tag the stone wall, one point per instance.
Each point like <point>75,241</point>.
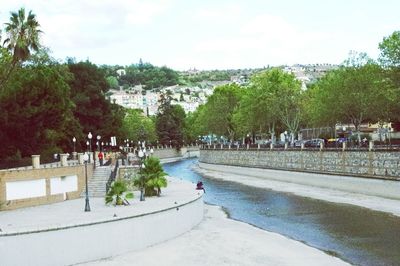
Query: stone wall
<point>13,176</point>
<point>378,164</point>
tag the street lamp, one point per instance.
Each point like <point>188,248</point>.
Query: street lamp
<point>141,157</point>
<point>87,206</point>
<point>98,142</point>
<point>90,143</point>
<point>73,141</point>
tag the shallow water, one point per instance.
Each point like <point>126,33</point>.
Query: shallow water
<point>357,235</point>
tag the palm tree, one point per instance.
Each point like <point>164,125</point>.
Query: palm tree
<point>154,176</point>
<point>117,193</point>
<point>22,37</point>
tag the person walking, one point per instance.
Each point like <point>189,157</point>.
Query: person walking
<point>101,156</point>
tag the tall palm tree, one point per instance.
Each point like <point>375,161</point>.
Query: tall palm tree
<point>22,37</point>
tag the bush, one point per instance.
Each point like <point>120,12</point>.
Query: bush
<point>118,193</point>
<point>151,177</point>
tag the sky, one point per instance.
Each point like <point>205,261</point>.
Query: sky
<point>210,34</point>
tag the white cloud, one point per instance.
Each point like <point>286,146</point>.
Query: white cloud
<point>205,34</point>
<point>145,12</point>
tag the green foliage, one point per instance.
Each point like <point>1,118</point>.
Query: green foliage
<point>22,38</point>
<point>22,34</point>
<point>195,125</point>
<point>112,82</point>
<point>390,50</point>
<point>273,98</point>
<point>118,193</point>
<point>170,123</point>
<point>213,75</point>
<point>149,76</point>
<point>36,108</point>
<point>138,127</point>
<point>154,176</point>
<point>218,110</point>
<point>93,111</point>
<point>353,95</point>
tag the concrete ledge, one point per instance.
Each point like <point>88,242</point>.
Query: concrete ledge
<point>373,187</point>
<point>106,231</point>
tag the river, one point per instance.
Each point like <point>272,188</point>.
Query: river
<point>357,235</point>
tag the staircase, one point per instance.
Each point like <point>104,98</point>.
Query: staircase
<point>97,184</point>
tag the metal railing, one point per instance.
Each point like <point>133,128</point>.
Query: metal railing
<point>278,147</point>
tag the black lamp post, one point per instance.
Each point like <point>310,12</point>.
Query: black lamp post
<point>73,141</point>
<point>98,140</point>
<point>90,143</point>
<point>87,205</point>
<point>141,166</point>
<point>94,151</point>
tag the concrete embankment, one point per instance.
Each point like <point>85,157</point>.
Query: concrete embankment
<point>380,195</point>
<point>225,242</point>
<point>63,234</point>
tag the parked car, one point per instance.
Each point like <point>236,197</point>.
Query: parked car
<point>297,143</point>
<point>313,142</point>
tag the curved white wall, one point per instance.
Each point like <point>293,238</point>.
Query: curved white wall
<point>99,240</point>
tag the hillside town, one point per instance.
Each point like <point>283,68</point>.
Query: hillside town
<point>193,95</point>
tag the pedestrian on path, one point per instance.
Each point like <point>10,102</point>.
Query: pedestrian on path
<point>101,156</point>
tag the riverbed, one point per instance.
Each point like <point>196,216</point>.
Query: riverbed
<point>354,234</point>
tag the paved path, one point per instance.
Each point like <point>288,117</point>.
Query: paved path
<point>71,212</point>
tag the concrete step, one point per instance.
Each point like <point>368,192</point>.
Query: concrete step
<point>97,184</point>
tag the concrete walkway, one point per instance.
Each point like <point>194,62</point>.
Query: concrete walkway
<point>71,212</point>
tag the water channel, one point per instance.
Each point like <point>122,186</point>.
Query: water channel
<point>357,235</point>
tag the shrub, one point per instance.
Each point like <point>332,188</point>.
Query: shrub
<point>152,177</point>
<point>118,193</point>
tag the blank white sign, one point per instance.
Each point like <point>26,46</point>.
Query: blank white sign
<point>25,189</point>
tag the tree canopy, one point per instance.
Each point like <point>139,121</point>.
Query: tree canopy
<point>149,76</point>
<point>170,123</point>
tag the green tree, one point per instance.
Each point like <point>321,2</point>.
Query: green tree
<point>36,109</point>
<point>170,123</point>
<point>390,59</point>
<point>274,98</point>
<point>138,127</point>
<point>149,76</point>
<point>118,193</point>
<point>94,112</point>
<point>154,176</point>
<point>195,125</point>
<point>22,37</point>
<point>112,82</point>
<point>218,111</point>
<point>354,95</point>
<point>390,50</point>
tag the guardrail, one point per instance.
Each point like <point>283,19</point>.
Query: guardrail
<point>348,147</point>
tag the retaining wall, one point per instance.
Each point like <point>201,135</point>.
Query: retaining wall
<point>97,240</point>
<point>366,186</point>
<point>31,187</point>
<point>376,164</point>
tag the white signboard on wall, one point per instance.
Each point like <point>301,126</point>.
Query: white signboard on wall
<point>62,184</point>
<point>25,189</point>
